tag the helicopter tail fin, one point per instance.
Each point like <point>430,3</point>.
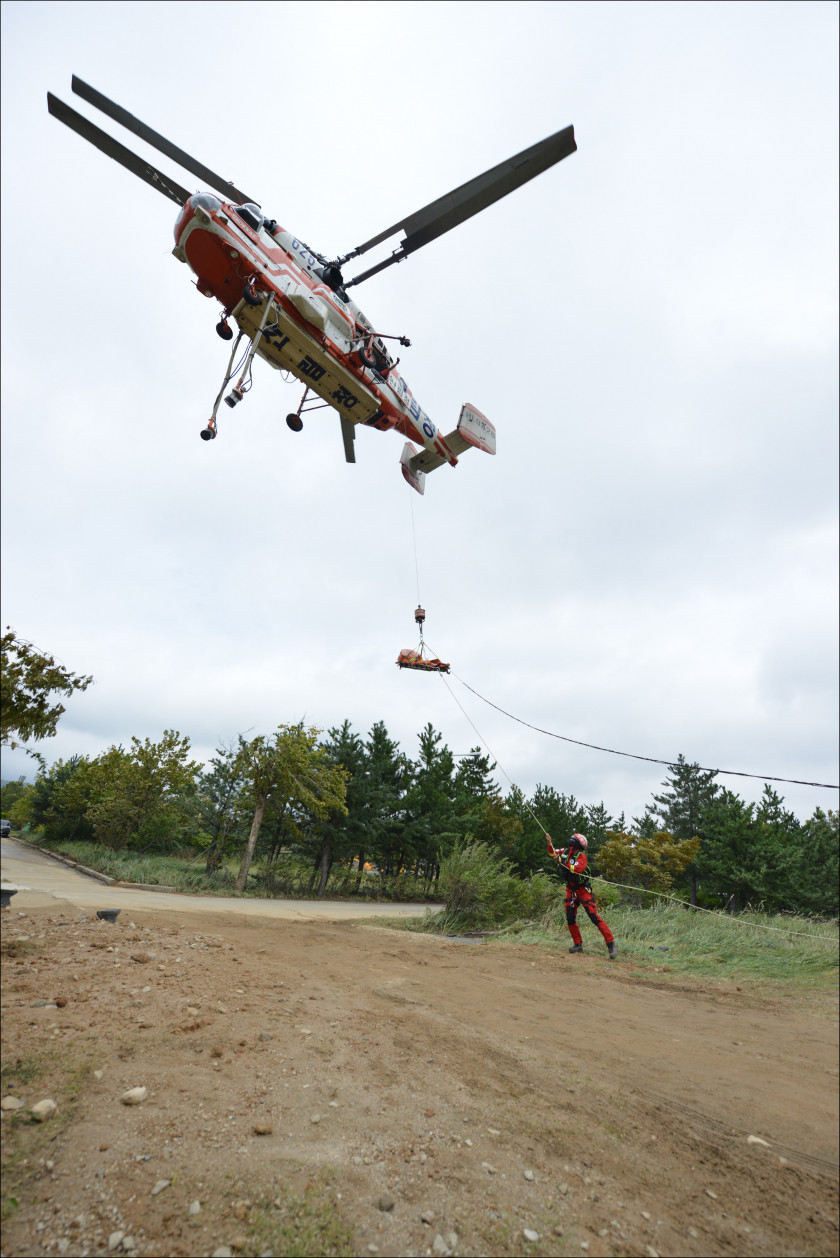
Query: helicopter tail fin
<point>473,430</point>
<point>412,473</point>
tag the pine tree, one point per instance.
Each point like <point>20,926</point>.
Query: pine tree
<point>430,801</point>
<point>387,777</point>
<point>219,797</point>
<point>683,805</point>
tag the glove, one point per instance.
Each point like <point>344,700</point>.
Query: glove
<point>551,849</point>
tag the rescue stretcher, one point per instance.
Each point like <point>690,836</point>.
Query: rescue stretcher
<point>409,658</point>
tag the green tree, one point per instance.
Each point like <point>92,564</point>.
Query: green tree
<point>387,776</point>
<point>340,832</point>
<point>598,822</point>
<point>726,864</point>
<point>143,796</point>
<point>430,807</point>
<point>29,679</point>
<point>474,786</point>
<point>643,826</point>
<point>778,840</point>
<point>559,815</point>
<point>751,854</point>
<point>220,791</point>
<point>498,827</point>
<point>683,804</point>
<point>292,771</point>
<point>10,793</point>
<point>61,797</point>
<point>651,862</point>
<point>817,875</point>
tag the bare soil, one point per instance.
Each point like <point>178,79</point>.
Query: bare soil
<point>338,1087</point>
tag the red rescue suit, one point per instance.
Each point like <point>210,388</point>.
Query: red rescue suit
<point>578,892</point>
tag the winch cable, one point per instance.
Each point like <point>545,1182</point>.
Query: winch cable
<point>763,777</point>
<point>414,538</point>
<point>699,908</point>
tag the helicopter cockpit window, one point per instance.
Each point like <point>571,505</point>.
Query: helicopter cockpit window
<point>206,201</point>
<point>250,214</point>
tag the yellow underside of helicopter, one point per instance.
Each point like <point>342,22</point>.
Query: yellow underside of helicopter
<point>291,348</point>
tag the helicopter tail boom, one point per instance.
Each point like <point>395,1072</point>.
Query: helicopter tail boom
<point>473,430</point>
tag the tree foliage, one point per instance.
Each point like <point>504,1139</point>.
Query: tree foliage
<point>296,775</point>
<point>652,862</point>
<point>363,807</point>
<point>141,796</point>
<point>29,680</point>
<point>683,807</point>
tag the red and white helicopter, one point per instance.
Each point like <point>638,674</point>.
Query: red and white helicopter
<point>292,304</point>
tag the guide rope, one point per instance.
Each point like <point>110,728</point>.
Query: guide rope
<point>764,777</point>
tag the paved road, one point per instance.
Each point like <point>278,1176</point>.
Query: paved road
<point>43,879</point>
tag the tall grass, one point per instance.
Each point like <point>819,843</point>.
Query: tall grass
<point>288,877</point>
<point>480,890</point>
<point>670,937</point>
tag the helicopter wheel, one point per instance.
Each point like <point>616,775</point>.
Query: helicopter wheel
<point>367,360</point>
<point>295,422</point>
<point>251,295</point>
<point>208,434</point>
<point>224,330</point>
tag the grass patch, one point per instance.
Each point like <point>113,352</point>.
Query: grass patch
<point>660,935</point>
<point>288,877</point>
<point>14,949</point>
<point>752,945</point>
<point>305,1223</point>
<point>59,1074</point>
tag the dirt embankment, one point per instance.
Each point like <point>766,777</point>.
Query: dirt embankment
<point>336,1087</point>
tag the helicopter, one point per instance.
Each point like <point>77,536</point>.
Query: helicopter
<point>291,304</point>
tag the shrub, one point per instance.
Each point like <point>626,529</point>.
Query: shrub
<point>479,887</point>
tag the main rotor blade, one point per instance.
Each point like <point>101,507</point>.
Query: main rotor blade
<point>457,206</point>
<point>127,120</point>
<point>107,144</point>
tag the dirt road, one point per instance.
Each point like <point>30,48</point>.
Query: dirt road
<point>321,1087</point>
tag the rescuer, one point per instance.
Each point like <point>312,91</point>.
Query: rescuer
<point>572,863</point>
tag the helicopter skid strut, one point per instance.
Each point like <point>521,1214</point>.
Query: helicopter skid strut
<point>294,420</point>
<point>242,385</point>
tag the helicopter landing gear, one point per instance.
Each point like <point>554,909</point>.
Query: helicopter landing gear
<point>294,421</point>
<point>374,356</point>
<point>243,384</point>
<point>250,294</point>
<point>224,330</point>
<point>365,354</point>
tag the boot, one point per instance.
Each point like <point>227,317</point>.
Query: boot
<point>612,950</point>
<point>576,948</point>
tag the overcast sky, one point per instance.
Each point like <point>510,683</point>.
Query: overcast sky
<point>649,563</point>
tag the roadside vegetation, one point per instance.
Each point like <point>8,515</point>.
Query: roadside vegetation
<point>297,814</point>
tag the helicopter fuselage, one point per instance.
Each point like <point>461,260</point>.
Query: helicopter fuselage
<point>310,329</point>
